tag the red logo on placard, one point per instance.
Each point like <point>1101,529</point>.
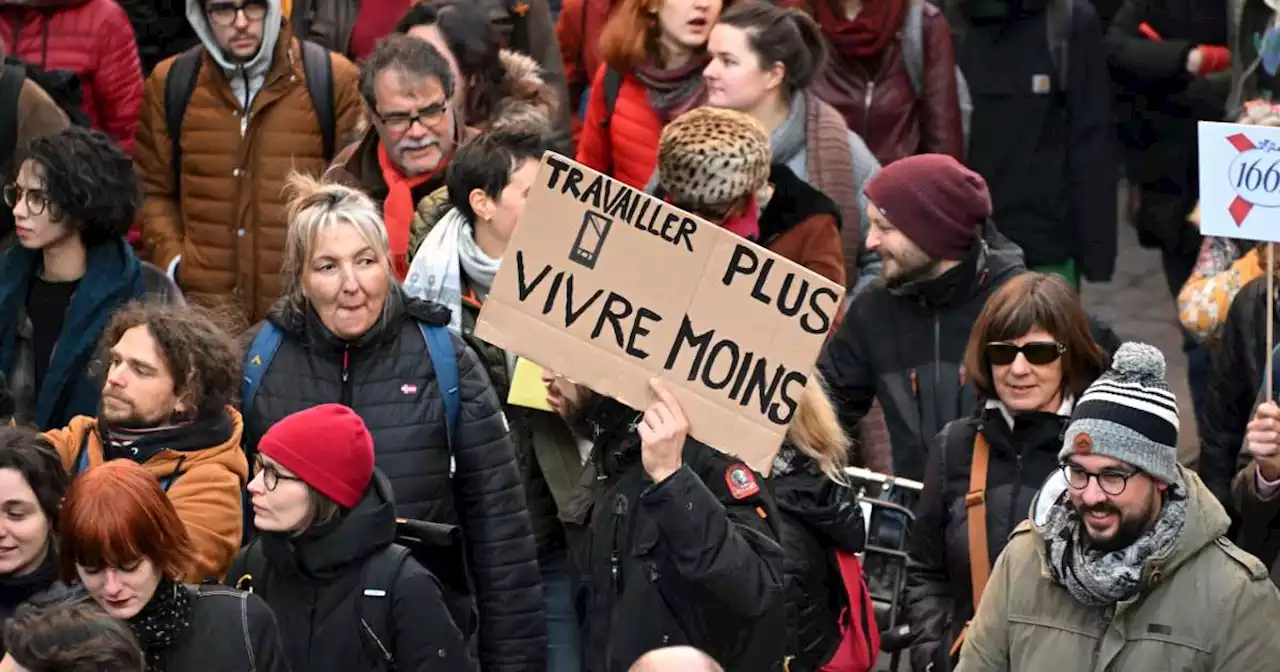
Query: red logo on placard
<point>1239,207</point>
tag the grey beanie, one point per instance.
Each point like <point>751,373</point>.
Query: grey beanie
<point>1129,414</point>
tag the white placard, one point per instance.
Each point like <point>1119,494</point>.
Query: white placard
<point>1239,181</point>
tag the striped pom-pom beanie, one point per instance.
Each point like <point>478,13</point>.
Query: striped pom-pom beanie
<point>1129,414</point>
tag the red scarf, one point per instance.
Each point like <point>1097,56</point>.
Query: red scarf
<point>745,223</point>
<point>397,210</point>
<point>866,36</point>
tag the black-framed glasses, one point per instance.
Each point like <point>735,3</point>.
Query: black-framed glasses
<point>400,122</point>
<point>271,476</point>
<point>1038,353</point>
<point>37,200</point>
<point>224,13</point>
<point>1110,481</point>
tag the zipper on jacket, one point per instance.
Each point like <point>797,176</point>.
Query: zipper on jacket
<point>866,103</point>
<point>346,377</point>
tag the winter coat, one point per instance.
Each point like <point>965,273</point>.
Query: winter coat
<point>624,144</point>
<point>939,594</point>
<point>91,38</point>
<point>206,471</point>
<point>1207,605</point>
<point>230,630</point>
<point>878,101</point>
<point>14,590</point>
<point>1259,526</point>
<point>1046,154</point>
<point>684,562</point>
<point>801,224</point>
<point>577,30</point>
<point>386,376</point>
<point>312,584</point>
<point>1239,365</point>
<point>225,223</point>
<point>813,142</point>
<point>914,367</point>
<point>113,277</point>
<point>818,518</point>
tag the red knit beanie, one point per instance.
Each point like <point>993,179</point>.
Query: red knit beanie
<point>932,199</point>
<point>328,447</point>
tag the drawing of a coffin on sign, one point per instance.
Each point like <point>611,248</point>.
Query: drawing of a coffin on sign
<point>611,287</point>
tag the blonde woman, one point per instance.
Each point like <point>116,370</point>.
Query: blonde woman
<point>344,332</point>
<point>819,516</point>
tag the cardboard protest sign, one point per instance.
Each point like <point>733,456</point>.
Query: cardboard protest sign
<point>611,287</point>
<point>1239,181</point>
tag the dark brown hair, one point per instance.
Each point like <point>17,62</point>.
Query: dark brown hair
<point>202,358</point>
<point>1028,301</point>
<point>786,36</point>
<point>64,630</point>
<point>116,514</point>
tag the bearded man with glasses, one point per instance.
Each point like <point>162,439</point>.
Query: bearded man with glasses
<point>1123,564</point>
<point>223,125</point>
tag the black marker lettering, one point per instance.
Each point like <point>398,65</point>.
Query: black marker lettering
<point>610,314</point>
<point>687,228</point>
<point>764,388</point>
<point>790,400</point>
<point>744,261</point>
<point>524,288</point>
<point>571,183</point>
<point>619,204</point>
<point>638,330</point>
<point>794,307</point>
<point>557,166</point>
<point>760,280</point>
<point>713,357</point>
<point>593,191</point>
<point>824,316</point>
<point>551,295</point>
<point>686,334</point>
<point>570,314</point>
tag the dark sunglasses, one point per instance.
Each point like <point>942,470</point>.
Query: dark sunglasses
<point>1036,352</point>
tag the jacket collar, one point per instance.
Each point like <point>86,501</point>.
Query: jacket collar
<point>792,203</point>
<point>295,317</point>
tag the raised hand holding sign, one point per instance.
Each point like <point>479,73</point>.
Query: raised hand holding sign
<point>662,429</point>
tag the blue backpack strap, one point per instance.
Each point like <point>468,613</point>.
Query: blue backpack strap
<point>256,361</point>
<point>445,362</point>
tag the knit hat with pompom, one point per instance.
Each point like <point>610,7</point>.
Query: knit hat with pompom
<point>1129,414</point>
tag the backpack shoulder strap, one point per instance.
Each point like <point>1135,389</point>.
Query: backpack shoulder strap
<point>256,361</point>
<point>976,503</point>
<point>612,86</point>
<point>913,45</point>
<point>1059,16</point>
<point>445,362</point>
<point>317,67</point>
<point>254,579</point>
<point>178,87</point>
<point>10,90</point>
<point>377,579</point>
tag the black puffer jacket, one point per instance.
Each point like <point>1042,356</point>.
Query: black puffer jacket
<point>389,381</point>
<point>939,594</point>
<point>1238,367</point>
<point>312,584</point>
<point>679,563</point>
<point>905,346</point>
<point>818,517</point>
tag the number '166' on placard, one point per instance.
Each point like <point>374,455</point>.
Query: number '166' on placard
<point>1239,181</point>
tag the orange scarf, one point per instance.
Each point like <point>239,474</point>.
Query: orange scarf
<point>397,210</point>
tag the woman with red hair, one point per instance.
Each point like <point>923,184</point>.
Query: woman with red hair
<point>654,53</point>
<point>121,538</point>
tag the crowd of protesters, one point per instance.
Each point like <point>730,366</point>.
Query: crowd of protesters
<point>246,422</point>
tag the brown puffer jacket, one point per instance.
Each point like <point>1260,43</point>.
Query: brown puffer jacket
<point>229,226</point>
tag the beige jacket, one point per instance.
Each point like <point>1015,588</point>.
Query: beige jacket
<point>1208,606</point>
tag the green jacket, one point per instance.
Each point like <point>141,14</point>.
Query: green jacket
<point>1207,606</point>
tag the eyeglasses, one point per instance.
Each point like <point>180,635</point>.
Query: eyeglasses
<point>400,122</point>
<point>271,476</point>
<point>1111,482</point>
<point>36,199</point>
<point>224,13</point>
<point>1038,353</point>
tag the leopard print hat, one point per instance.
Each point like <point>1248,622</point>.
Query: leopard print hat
<point>711,158</point>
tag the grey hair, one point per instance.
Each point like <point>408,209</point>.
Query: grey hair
<point>317,207</point>
<point>409,55</point>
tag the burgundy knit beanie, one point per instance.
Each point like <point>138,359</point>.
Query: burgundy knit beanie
<point>932,199</point>
<point>328,447</point>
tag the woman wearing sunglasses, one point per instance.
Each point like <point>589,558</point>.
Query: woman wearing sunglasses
<point>1030,354</point>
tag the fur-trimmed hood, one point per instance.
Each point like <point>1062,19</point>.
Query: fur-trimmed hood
<point>526,97</point>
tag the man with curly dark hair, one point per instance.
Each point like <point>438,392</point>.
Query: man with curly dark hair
<point>171,374</point>
<point>73,201</point>
<point>64,630</point>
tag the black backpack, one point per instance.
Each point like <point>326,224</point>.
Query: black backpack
<point>435,546</point>
<point>317,69</point>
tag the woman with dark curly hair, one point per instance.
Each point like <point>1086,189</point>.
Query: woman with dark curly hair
<point>73,201</point>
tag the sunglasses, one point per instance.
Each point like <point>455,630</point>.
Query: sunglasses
<point>1038,353</point>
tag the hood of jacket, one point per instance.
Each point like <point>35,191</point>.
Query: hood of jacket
<point>793,201</point>
<point>294,316</point>
<point>527,98</point>
<point>255,70</point>
<point>192,443</point>
<point>330,548</point>
<point>1206,522</point>
<point>992,259</point>
<point>827,509</point>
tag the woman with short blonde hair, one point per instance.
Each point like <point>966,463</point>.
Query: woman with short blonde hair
<point>345,332</point>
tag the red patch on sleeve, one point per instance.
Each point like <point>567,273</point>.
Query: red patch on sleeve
<point>741,482</point>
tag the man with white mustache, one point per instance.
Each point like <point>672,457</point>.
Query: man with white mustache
<point>408,88</point>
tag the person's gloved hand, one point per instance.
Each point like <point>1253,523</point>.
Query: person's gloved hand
<point>1207,59</point>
